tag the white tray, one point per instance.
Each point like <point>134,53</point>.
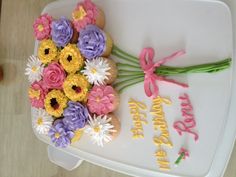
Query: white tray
<point>204,29</point>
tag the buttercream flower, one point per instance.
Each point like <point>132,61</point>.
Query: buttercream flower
<point>53,76</point>
<point>62,31</point>
<point>92,42</point>
<point>76,87</point>
<point>96,71</point>
<point>59,135</point>
<point>71,59</point>
<point>102,100</point>
<point>85,13</point>
<point>55,103</point>
<point>34,69</point>
<point>42,121</point>
<point>47,51</point>
<point>37,93</point>
<point>42,27</point>
<point>75,116</point>
<point>100,129</point>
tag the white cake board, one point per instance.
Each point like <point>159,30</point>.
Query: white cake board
<point>204,30</point>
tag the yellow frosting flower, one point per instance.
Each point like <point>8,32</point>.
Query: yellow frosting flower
<point>76,87</point>
<point>77,135</point>
<point>71,59</point>
<point>55,102</point>
<point>47,51</point>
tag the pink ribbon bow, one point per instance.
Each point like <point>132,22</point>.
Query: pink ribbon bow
<point>147,64</point>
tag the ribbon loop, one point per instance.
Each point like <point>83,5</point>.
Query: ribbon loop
<point>148,66</point>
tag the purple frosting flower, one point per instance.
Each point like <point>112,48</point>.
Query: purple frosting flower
<point>92,42</point>
<point>75,116</point>
<point>60,135</point>
<point>62,31</point>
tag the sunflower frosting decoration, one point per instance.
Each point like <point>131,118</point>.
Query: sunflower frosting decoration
<point>76,87</point>
<point>96,71</point>
<point>71,59</point>
<point>34,69</point>
<point>55,102</point>
<point>47,51</point>
<point>100,129</point>
<point>42,121</point>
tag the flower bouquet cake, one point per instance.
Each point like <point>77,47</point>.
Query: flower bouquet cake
<point>71,78</point>
<point>78,75</point>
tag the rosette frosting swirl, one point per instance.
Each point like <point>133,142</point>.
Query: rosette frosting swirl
<point>75,115</point>
<point>92,42</point>
<point>62,31</point>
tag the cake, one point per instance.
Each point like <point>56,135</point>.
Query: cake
<point>102,129</point>
<point>77,84</point>
<point>100,71</point>
<point>94,42</point>
<point>65,75</point>
<point>103,100</point>
<point>86,13</point>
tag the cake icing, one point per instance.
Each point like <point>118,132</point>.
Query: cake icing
<point>99,128</point>
<point>62,31</point>
<point>42,27</point>
<point>75,116</point>
<point>92,42</point>
<point>42,121</point>
<point>34,69</point>
<point>53,76</point>
<point>96,71</point>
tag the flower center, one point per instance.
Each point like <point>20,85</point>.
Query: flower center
<point>79,14</point>
<point>96,129</point>
<point>76,89</point>
<point>98,99</point>
<point>54,103</point>
<point>40,27</point>
<point>46,51</point>
<point>34,68</point>
<point>69,58</point>
<point>57,135</point>
<point>40,121</point>
<point>93,71</point>
<point>34,93</point>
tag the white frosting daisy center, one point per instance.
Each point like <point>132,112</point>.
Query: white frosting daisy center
<point>40,121</point>
<point>96,70</point>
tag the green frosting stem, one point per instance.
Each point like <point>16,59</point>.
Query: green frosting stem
<point>116,50</point>
<point>121,84</point>
<point>202,68</point>
<point>129,66</point>
<point>131,73</point>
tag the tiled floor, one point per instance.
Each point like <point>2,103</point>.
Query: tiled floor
<point>21,154</point>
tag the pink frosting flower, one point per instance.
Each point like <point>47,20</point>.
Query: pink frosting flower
<point>102,100</point>
<point>85,13</point>
<point>42,27</point>
<point>53,76</point>
<point>37,94</point>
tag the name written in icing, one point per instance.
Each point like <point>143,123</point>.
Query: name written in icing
<point>188,124</point>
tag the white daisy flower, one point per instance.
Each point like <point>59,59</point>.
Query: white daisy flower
<point>96,70</point>
<point>42,121</point>
<point>100,129</point>
<point>34,69</point>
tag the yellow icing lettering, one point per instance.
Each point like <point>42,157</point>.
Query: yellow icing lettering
<point>139,118</point>
<point>159,123</point>
<point>137,104</point>
<point>162,140</point>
